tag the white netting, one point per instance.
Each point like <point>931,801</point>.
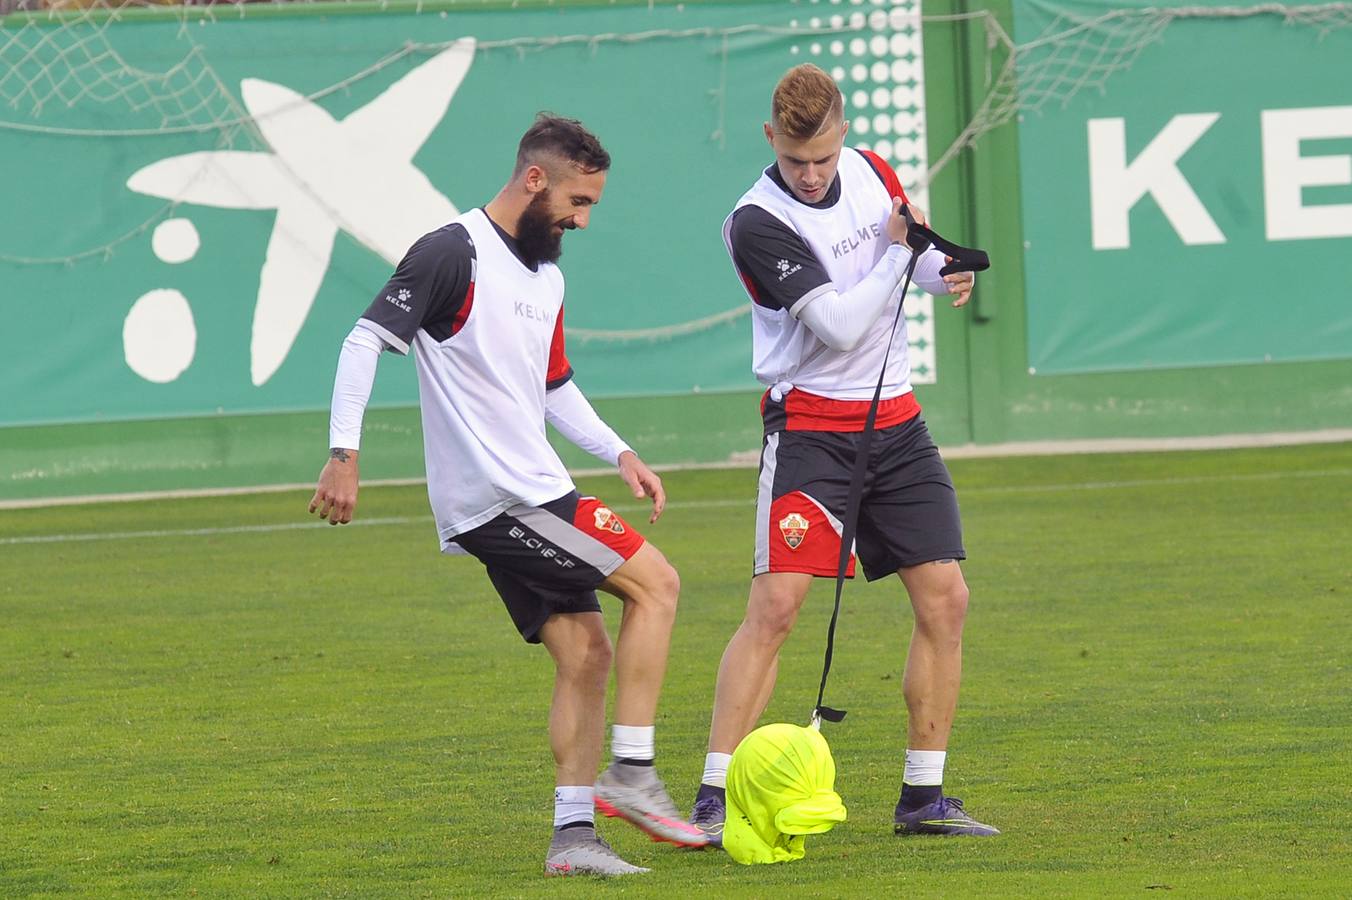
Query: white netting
<point>1074,54</point>
<point>66,58</point>
<point>59,59</point>
<point>69,60</point>
<point>55,60</point>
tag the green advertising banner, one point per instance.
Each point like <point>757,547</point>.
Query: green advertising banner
<point>1186,184</point>
<point>199,206</point>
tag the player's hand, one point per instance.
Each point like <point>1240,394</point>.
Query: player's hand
<point>335,496</point>
<point>643,481</point>
<point>960,285</point>
<point>896,223</point>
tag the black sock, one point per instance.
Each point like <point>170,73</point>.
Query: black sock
<point>914,796</point>
<point>635,762</point>
<point>581,823</point>
<point>708,790</point>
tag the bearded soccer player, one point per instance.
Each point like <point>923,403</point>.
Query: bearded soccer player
<point>480,303</point>
<point>819,242</point>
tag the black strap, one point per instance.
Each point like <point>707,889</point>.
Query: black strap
<point>856,494</point>
<point>965,259</point>
<point>919,239</point>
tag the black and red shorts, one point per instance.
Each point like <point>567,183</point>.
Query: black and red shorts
<point>549,559</point>
<point>908,514</point>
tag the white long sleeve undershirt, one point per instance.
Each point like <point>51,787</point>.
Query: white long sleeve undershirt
<point>568,410</point>
<point>565,407</point>
<point>842,318</point>
<point>352,386</point>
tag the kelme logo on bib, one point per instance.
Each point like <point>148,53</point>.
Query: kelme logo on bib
<point>794,528</point>
<point>607,520</point>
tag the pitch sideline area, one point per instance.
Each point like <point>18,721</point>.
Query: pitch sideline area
<point>216,695</point>
<point>750,459</point>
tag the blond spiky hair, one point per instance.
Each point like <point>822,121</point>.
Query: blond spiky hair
<point>806,103</point>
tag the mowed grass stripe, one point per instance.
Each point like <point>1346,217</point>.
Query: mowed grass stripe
<point>196,532</point>
<point>674,504</point>
<point>1156,695</point>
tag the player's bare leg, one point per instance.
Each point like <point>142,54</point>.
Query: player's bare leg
<point>577,718</point>
<point>649,588</point>
<point>582,656</point>
<point>933,675</point>
<point>630,788</point>
<point>934,662</point>
<point>746,681</point>
<point>746,675</point>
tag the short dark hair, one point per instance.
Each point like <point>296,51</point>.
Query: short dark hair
<point>561,138</point>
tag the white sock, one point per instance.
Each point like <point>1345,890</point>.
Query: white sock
<point>573,804</point>
<point>924,767</point>
<point>716,769</point>
<point>632,741</point>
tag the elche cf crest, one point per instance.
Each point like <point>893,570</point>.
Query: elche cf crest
<point>794,528</point>
<point>607,520</point>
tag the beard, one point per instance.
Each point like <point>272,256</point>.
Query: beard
<point>535,236</point>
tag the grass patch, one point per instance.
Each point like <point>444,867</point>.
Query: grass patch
<point>1156,695</point>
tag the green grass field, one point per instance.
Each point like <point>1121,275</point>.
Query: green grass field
<point>1157,695</point>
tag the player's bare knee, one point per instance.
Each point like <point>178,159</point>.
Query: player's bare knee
<point>955,602</point>
<point>588,659</point>
<point>660,588</point>
<point>667,584</point>
<point>943,613</point>
<point>596,657</point>
<point>771,615</point>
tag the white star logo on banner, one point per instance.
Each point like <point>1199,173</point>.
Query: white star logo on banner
<point>322,176</point>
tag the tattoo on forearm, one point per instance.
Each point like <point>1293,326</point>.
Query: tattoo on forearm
<point>340,454</point>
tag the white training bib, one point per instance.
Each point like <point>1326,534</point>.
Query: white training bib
<point>483,391</point>
<point>848,238</point>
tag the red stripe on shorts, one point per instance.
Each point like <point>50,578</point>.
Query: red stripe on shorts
<point>803,539</point>
<point>599,521</point>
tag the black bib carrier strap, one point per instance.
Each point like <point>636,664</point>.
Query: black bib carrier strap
<point>965,259</point>
<point>919,239</point>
